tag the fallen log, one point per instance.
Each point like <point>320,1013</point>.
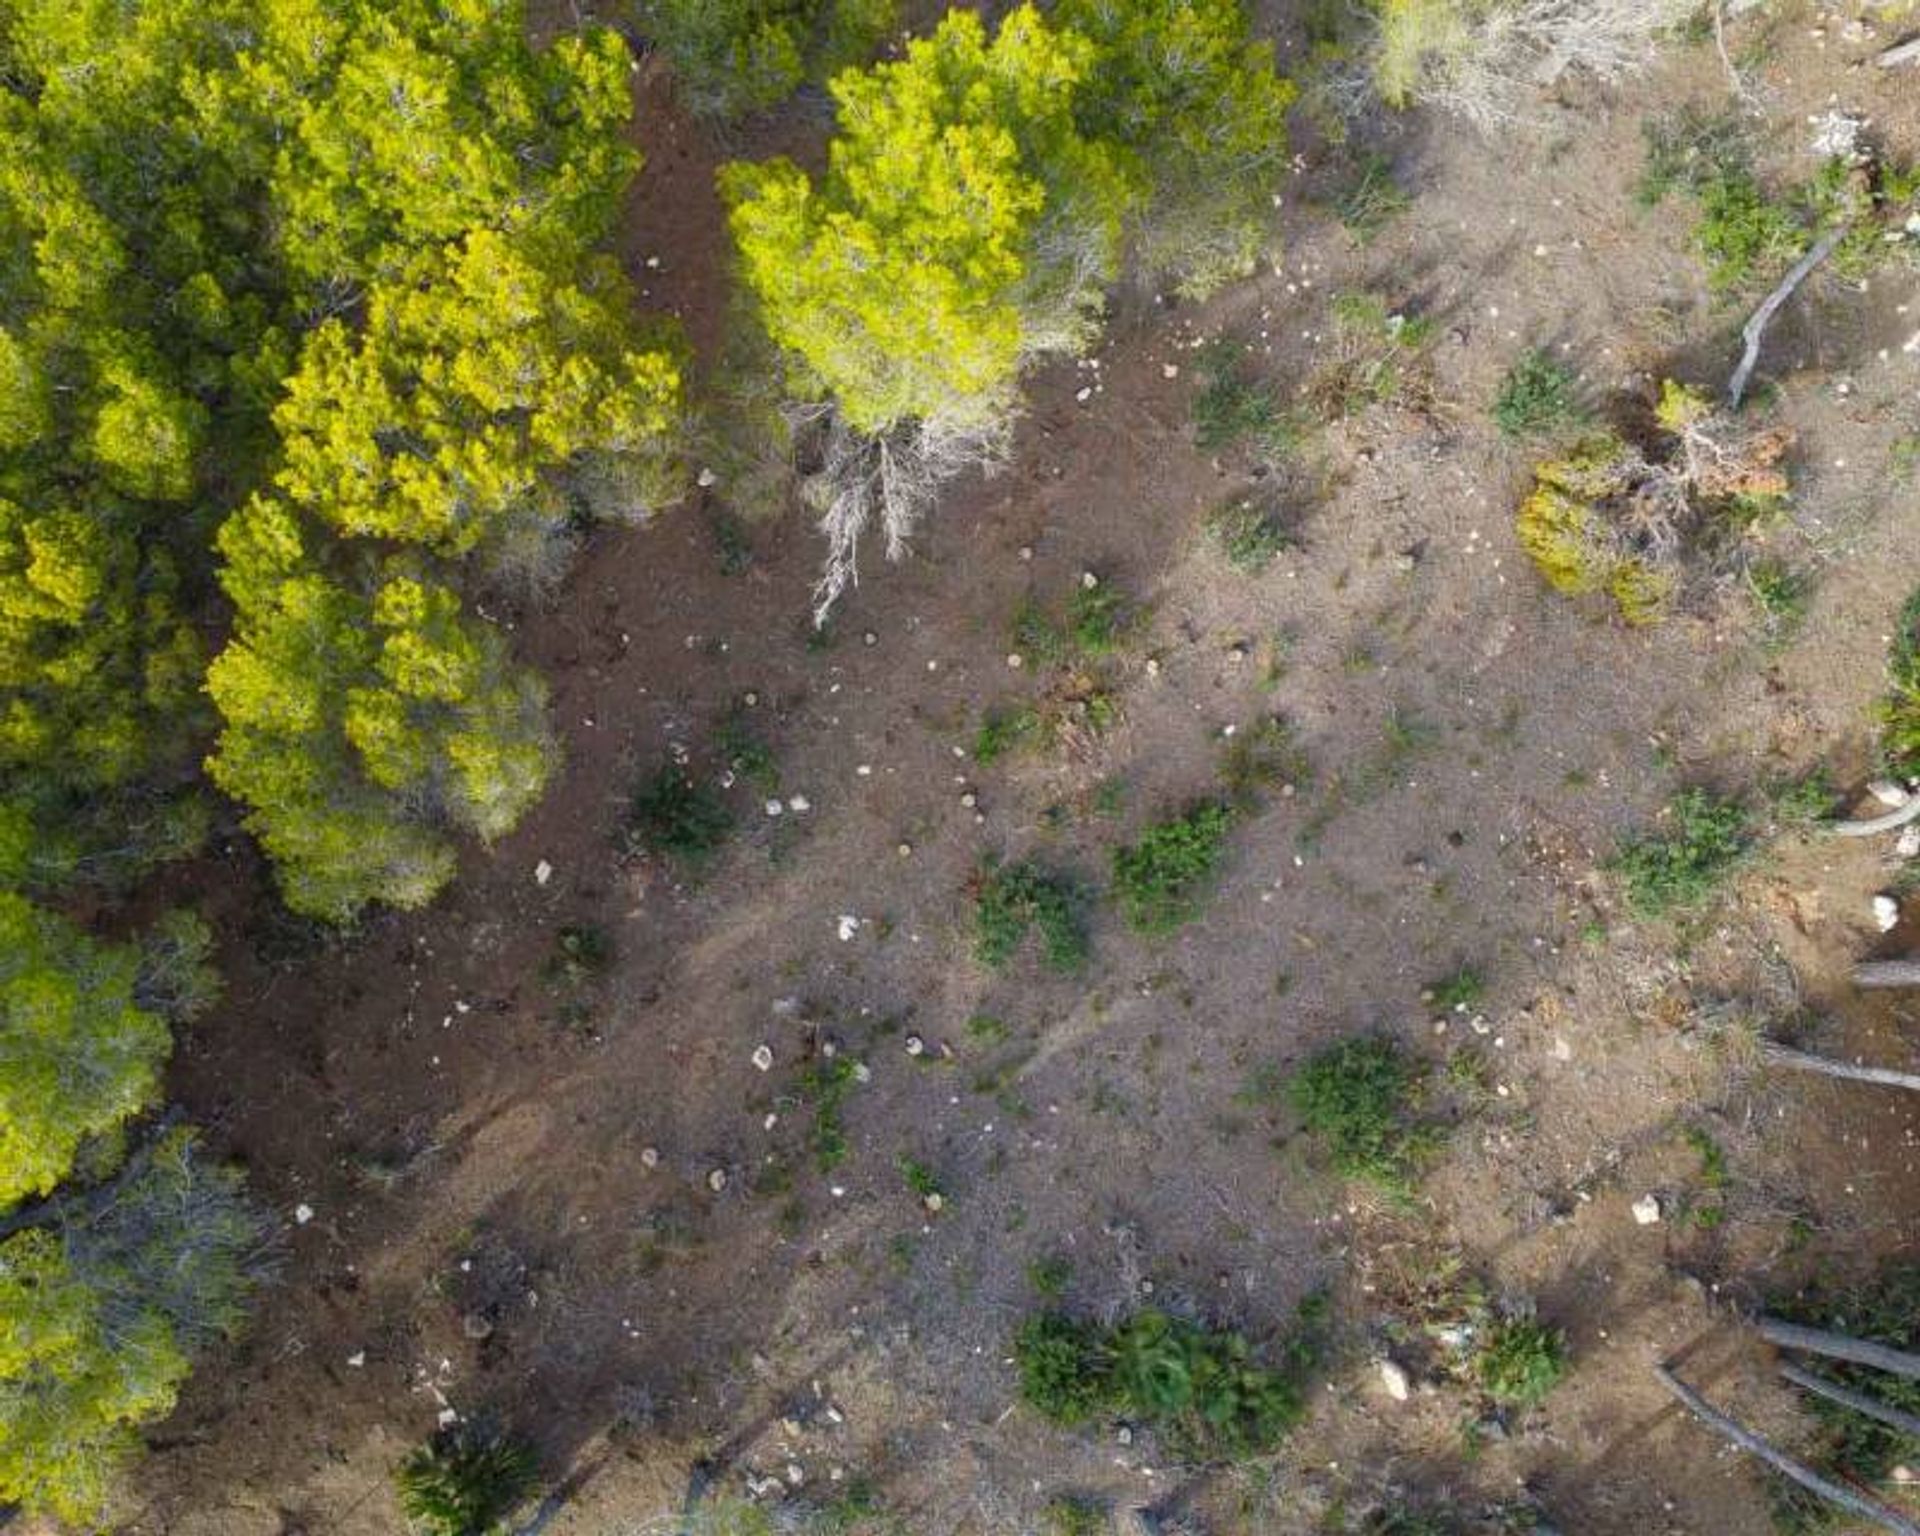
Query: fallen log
<point>1785,1465</point>
<point>1869,974</point>
<point>1799,1061</point>
<point>1838,1346</point>
<point>1756,327</point>
<point>1859,1402</point>
<point>1901,53</point>
<point>1873,826</point>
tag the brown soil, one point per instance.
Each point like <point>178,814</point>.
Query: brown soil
<point>468,1133</point>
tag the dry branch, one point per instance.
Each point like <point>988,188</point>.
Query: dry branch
<point>1838,1346</point>
<point>1870,974</point>
<point>1785,1465</point>
<point>1859,1402</point>
<point>1800,1061</point>
<point>1901,53</point>
<point>1756,327</point>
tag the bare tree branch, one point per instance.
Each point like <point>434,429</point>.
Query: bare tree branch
<point>1800,1061</point>
<point>1756,327</point>
<point>1859,1402</point>
<point>1838,1346</point>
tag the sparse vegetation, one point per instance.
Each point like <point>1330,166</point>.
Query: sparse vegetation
<point>1899,709</point>
<point>1702,839</point>
<point>1538,397</point>
<point>1158,879</point>
<point>675,815</point>
<point>1199,1386</point>
<point>1358,1100</point>
<point>1518,1361</point>
<point>1011,900</point>
<point>1250,536</point>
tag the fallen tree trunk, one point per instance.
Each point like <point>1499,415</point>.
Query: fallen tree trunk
<point>1901,53</point>
<point>1785,1465</point>
<point>1875,825</point>
<point>1887,973</point>
<point>1837,1346</point>
<point>1756,327</point>
<point>1859,1402</point>
<point>1799,1061</point>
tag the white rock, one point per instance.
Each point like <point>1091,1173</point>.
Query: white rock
<point>916,1046</point>
<point>542,872</point>
<point>1394,1378</point>
<point>706,479</point>
<point>775,808</point>
<point>763,1057</point>
<point>1907,844</point>
<point>799,804</point>
<point>649,1157</point>
<point>448,1418</point>
<point>1886,912</point>
<point>849,926</point>
<point>357,1359</point>
<point>1646,1210</point>
<point>717,1180</point>
<point>302,1214</point>
<point>1888,793</point>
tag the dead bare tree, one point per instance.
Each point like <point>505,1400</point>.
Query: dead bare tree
<point>1799,1061</point>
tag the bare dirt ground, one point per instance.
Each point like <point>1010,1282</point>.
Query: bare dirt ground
<point>590,1210</point>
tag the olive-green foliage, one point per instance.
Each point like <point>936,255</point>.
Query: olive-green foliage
<point>1230,407</point>
<point>1016,897</point>
<point>82,1055</point>
<point>1202,1387</point>
<point>1518,1361</point>
<point>1258,758</point>
<point>1158,879</point>
<point>465,1480</point>
<point>1703,839</point>
<point>1899,709</point>
<point>1002,730</point>
<point>732,57</point>
<point>1358,1098</point>
<point>101,1309</point>
<point>1072,1515</point>
<point>341,251</point>
<point>1537,397</point>
<point>1883,1308</point>
<point>1250,536</point>
<point>912,284</point>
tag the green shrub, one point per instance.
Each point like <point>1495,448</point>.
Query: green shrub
<point>1230,408</point>
<point>1263,756</point>
<point>1009,901</point>
<point>1457,992</point>
<point>1899,710</point>
<point>1097,618</point>
<point>1250,537</point>
<point>1538,397</point>
<point>678,817</point>
<point>1357,1099</point>
<point>465,1480</point>
<point>1519,1361</point>
<point>1158,879</point>
<point>1372,199</point>
<point>732,57</point>
<point>1002,731</point>
<point>1198,1385</point>
<point>1705,839</point>
<point>1071,1515</point>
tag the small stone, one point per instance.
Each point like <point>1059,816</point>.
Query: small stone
<point>706,479</point>
<point>302,1214</point>
<point>1904,1474</point>
<point>1084,395</point>
<point>649,1157</point>
<point>448,1418</point>
<point>1153,666</point>
<point>916,1046</point>
<point>1015,660</point>
<point>1646,1210</point>
<point>775,808</point>
<point>906,850</point>
<point>542,872</point>
<point>763,1057</point>
<point>868,637</point>
<point>969,799</point>
<point>1886,913</point>
<point>862,1073</point>
<point>1907,844</point>
<point>717,1180</point>
<point>357,1359</point>
<point>1125,1434</point>
<point>1394,1378</point>
<point>1561,1050</point>
<point>849,926</point>
<point>1026,551</point>
<point>934,1202</point>
<point>799,804</point>
<point>1169,370</point>
<point>1088,580</point>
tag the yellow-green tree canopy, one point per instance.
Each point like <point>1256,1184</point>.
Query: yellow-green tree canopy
<point>964,222</point>
<point>80,1056</point>
<point>736,56</point>
<point>100,1311</point>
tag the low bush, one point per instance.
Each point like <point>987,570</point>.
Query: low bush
<point>1158,878</point>
<point>1011,900</point>
<point>1518,1361</point>
<point>1358,1099</point>
<point>676,816</point>
<point>1705,838</point>
<point>1198,1385</point>
<point>1538,397</point>
<point>1261,757</point>
<point>465,1480</point>
<point>1899,708</point>
<point>1230,408</point>
<point>1250,536</point>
